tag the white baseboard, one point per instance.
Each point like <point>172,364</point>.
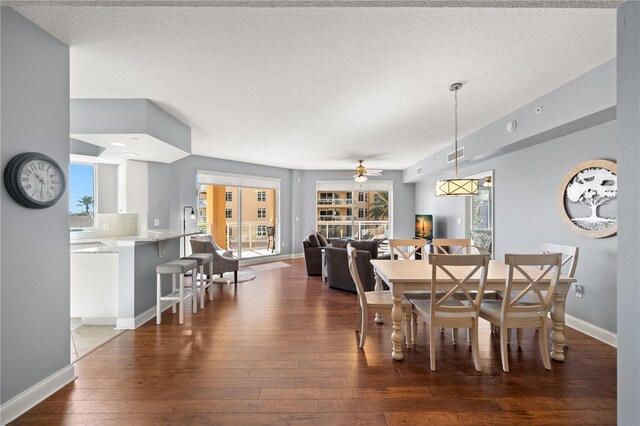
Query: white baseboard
<point>124,323</point>
<point>98,320</point>
<point>37,393</point>
<point>591,330</point>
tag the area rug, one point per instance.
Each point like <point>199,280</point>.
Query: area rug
<point>227,277</point>
<point>268,266</point>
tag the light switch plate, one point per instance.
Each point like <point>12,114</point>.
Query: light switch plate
<point>156,222</point>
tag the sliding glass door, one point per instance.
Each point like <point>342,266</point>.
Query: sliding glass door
<point>240,219</point>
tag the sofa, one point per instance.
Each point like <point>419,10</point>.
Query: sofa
<point>312,246</point>
<point>338,275</point>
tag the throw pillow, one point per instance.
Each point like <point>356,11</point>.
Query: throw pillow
<point>313,240</point>
<point>322,239</point>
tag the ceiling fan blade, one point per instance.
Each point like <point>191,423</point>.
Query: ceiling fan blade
<point>374,172</point>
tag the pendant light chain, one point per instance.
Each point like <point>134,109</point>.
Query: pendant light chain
<point>456,186</point>
<point>455,153</point>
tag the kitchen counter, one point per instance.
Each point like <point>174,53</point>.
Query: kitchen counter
<point>153,236</point>
<point>97,245</point>
<point>119,287</point>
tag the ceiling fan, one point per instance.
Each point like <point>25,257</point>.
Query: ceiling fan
<point>362,172</point>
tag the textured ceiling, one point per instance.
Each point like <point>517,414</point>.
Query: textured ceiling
<point>318,88</point>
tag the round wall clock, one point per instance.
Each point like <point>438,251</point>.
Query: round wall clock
<point>34,180</point>
<point>587,198</point>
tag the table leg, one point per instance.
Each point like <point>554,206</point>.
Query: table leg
<point>396,316</point>
<point>378,287</point>
<point>557,333</point>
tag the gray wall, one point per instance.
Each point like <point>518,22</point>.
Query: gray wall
<point>525,192</point>
<point>159,196</point>
<point>629,213</point>
<point>403,201</point>
<point>35,243</point>
<point>183,188</point>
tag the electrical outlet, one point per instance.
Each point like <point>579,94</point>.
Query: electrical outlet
<point>156,222</point>
<point>578,290</point>
<point>105,227</point>
<point>283,244</point>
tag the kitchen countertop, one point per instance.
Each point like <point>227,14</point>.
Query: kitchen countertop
<point>153,236</point>
<point>97,245</point>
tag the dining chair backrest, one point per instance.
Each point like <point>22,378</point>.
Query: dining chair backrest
<point>569,256</point>
<point>458,245</point>
<point>536,270</point>
<point>413,247</point>
<point>445,285</point>
<point>352,254</point>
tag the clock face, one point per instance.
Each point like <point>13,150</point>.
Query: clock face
<point>34,180</point>
<point>40,180</point>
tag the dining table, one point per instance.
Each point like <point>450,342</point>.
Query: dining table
<point>415,275</point>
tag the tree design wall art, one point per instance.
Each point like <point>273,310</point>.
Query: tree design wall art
<point>584,191</point>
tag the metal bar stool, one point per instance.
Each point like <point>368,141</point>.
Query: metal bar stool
<point>203,282</point>
<point>177,269</point>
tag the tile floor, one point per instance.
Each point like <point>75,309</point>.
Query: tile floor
<point>89,337</point>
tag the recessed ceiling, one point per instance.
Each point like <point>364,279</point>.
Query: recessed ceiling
<point>139,146</point>
<point>318,88</point>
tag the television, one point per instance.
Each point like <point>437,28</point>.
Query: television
<point>424,226</point>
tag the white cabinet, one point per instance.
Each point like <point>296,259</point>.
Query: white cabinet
<point>133,187</point>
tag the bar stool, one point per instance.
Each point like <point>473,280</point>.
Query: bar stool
<point>177,269</point>
<point>202,281</point>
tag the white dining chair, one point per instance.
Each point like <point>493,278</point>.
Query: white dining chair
<point>568,268</point>
<point>509,312</point>
<point>408,249</point>
<point>451,245</point>
<point>376,301</point>
<point>447,310</point>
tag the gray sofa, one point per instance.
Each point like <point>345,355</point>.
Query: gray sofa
<point>312,246</point>
<point>338,275</point>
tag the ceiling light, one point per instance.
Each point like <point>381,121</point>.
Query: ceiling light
<point>118,144</point>
<point>360,178</point>
<point>456,186</point>
<point>130,154</point>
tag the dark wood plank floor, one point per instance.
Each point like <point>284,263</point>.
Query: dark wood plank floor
<point>281,349</point>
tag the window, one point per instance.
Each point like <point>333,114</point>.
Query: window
<point>228,196</point>
<point>326,198</point>
<point>262,213</point>
<point>228,214</point>
<point>479,214</point>
<point>261,230</point>
<point>81,197</point>
<point>368,219</point>
<point>262,195</point>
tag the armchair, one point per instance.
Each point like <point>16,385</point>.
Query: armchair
<point>223,260</point>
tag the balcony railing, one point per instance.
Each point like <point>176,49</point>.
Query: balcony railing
<point>335,202</point>
<point>359,230</point>
<point>334,219</point>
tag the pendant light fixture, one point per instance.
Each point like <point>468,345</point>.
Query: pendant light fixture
<point>456,186</point>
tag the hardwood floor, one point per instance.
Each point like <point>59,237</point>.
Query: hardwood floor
<point>281,349</point>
